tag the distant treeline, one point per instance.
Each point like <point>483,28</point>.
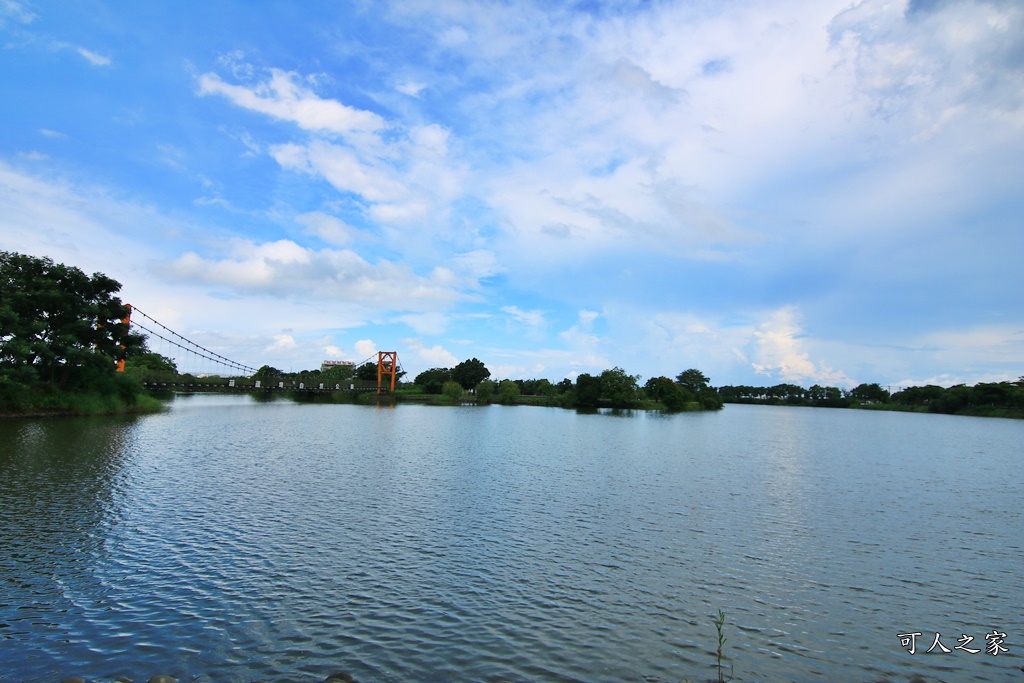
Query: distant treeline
<point>985,398</point>
<point>614,388</point>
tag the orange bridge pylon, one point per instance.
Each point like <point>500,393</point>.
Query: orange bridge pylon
<point>387,366</point>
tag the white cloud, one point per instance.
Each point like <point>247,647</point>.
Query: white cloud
<point>434,357</point>
<point>533,318</point>
<point>282,342</point>
<point>476,265</point>
<point>425,323</point>
<point>410,88</point>
<point>328,228</point>
<point>592,362</point>
<point>404,173</point>
<point>365,348</point>
<point>284,97</point>
<point>580,337</point>
<point>284,268</point>
<point>929,59</point>
<point>778,352</point>
<point>342,168</point>
<point>93,58</point>
<point>978,345</point>
<point>500,372</point>
<point>9,9</point>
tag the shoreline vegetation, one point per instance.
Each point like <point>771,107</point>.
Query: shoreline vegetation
<point>66,348</point>
<point>984,399</point>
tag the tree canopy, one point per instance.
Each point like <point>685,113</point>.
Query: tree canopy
<point>56,321</point>
<point>433,380</point>
<point>693,379</point>
<point>619,388</point>
<point>469,373</point>
<point>367,372</point>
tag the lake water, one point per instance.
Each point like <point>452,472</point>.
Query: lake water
<point>233,540</point>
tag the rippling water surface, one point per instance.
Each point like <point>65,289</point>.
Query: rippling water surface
<point>230,540</point>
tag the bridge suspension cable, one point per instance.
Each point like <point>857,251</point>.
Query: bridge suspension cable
<point>177,340</point>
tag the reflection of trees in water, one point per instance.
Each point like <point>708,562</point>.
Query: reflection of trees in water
<point>61,479</point>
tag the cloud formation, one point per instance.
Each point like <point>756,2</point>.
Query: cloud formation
<point>813,190</point>
<point>284,96</point>
<point>284,268</point>
<point>778,353</point>
<point>92,57</point>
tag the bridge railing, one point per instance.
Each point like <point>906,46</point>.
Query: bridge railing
<point>249,384</point>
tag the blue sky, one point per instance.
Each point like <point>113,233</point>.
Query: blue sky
<point>805,191</point>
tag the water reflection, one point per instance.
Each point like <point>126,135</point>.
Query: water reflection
<point>62,485</point>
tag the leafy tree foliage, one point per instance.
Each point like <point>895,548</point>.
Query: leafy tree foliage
<point>59,326</point>
<point>339,374</point>
<point>469,373</point>
<point>538,387</point>
<point>367,372</point>
<point>870,393</point>
<point>431,380</point>
<point>665,391</point>
<point>485,391</point>
<point>918,396</point>
<point>154,362</point>
<point>619,388</point>
<point>147,366</point>
<point>508,391</point>
<point>452,389</point>
<point>588,391</point>
<point>694,380</point>
<point>710,399</point>
<point>267,373</point>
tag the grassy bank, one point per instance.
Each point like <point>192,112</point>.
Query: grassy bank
<point>47,401</point>
<point>973,411</point>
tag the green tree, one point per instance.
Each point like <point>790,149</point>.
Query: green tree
<point>452,390</point>
<point>870,393</point>
<point>267,374</point>
<point>709,399</point>
<point>508,391</point>
<point>588,391</point>
<point>339,374</point>
<point>367,372</point>
<point>619,388</point>
<point>431,380</point>
<point>59,326</point>
<point>148,366</point>
<point>544,387</point>
<point>694,380</point>
<point>469,373</point>
<point>668,393</point>
<point>153,361</point>
<point>954,399</point>
<point>485,391</point>
<point>919,396</point>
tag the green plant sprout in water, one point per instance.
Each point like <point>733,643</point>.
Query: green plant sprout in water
<point>720,625</point>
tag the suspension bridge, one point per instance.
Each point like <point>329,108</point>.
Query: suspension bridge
<point>200,368</point>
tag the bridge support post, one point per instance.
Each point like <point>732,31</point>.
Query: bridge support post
<point>127,320</point>
<point>387,366</point>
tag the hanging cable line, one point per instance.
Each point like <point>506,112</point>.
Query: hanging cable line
<point>187,345</point>
<point>384,362</point>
